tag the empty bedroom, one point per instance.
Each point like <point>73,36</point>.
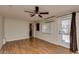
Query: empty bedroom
<point>39,29</point>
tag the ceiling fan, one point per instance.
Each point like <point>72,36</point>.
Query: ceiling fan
<point>36,12</point>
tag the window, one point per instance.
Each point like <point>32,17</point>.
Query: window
<point>46,27</point>
<point>65,28</point>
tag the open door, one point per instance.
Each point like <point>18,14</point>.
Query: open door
<point>30,31</point>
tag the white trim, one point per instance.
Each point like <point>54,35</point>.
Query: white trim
<point>21,38</point>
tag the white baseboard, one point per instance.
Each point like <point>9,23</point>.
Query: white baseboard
<point>16,39</point>
<point>56,43</point>
<point>4,41</point>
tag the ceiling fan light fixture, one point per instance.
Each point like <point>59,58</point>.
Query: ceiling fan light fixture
<point>36,14</point>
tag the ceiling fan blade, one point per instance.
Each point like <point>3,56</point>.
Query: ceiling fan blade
<point>32,15</point>
<point>40,16</point>
<point>28,11</point>
<point>36,9</point>
<point>44,13</point>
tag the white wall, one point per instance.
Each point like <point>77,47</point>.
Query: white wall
<point>16,29</point>
<point>53,37</point>
<point>77,24</point>
<point>13,29</point>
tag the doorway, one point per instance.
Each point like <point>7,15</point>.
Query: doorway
<point>30,30</point>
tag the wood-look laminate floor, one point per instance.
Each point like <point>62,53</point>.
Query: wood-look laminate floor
<point>34,46</point>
